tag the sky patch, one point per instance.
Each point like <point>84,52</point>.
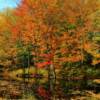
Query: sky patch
<point>8,4</point>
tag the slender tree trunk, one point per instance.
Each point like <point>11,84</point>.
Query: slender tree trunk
<point>28,61</point>
<point>52,80</point>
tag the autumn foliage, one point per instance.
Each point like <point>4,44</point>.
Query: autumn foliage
<point>58,31</point>
<point>55,27</point>
<point>58,36</point>
<point>43,93</point>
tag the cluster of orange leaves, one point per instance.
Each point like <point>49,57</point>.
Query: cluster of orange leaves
<point>37,25</point>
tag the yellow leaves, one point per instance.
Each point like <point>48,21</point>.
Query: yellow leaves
<point>2,52</point>
<point>96,81</point>
<point>92,49</point>
<point>50,2</point>
<point>7,63</point>
<point>97,55</point>
<point>95,61</point>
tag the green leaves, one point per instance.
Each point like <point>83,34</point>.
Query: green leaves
<point>71,26</point>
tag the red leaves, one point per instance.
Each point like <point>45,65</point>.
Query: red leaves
<point>42,92</point>
<point>15,32</point>
<point>15,29</point>
<point>43,64</point>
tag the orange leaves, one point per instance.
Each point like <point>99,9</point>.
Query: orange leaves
<point>71,20</point>
<point>75,58</point>
<point>54,26</point>
<point>15,33</point>
<point>15,29</point>
<point>43,64</point>
<point>44,28</point>
<point>46,56</point>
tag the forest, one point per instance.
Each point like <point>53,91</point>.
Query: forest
<point>50,50</point>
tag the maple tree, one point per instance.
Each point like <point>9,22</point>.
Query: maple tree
<point>55,28</point>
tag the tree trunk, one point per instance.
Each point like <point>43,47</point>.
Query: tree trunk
<point>52,80</point>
